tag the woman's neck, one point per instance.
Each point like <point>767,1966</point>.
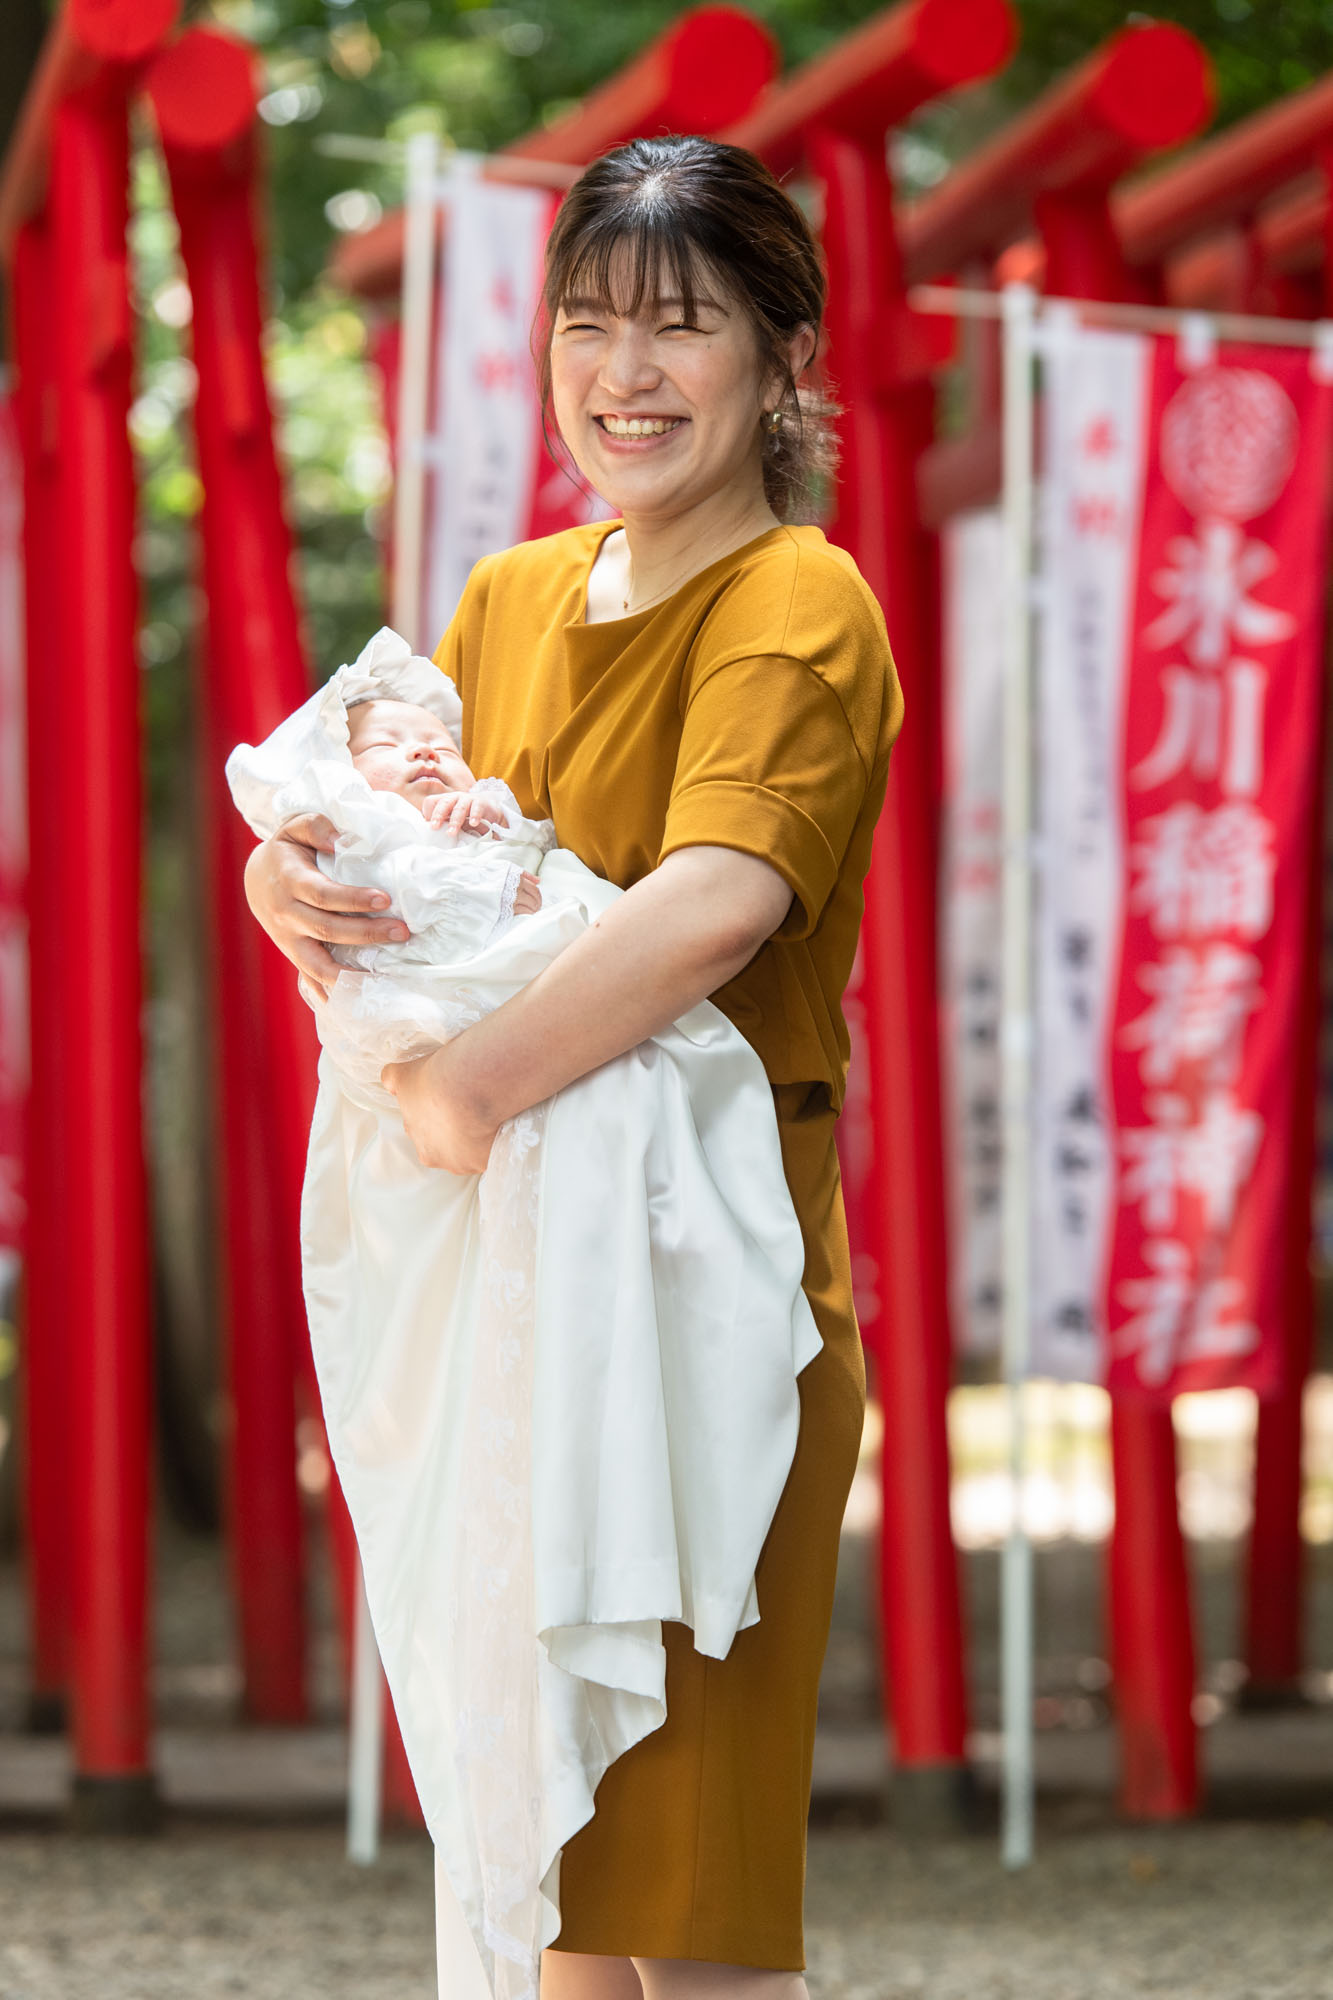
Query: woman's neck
<point>663,554</point>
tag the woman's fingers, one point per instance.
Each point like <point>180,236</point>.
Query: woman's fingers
<point>309,830</point>
<point>317,967</point>
<point>303,912</point>
<point>339,927</point>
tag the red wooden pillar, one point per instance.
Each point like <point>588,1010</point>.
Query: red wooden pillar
<point>1276,1580</point>
<point>1152,1640</point>
<point>887,423</point>
<point>93,782</point>
<point>1275,1598</point>
<point>203,92</point>
<point>204,97</point>
<point>45,1367</point>
<point>1276,1577</point>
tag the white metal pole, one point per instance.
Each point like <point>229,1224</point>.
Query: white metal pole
<point>365,1761</point>
<point>366,1718</point>
<point>409,494</point>
<point>1016,1613</point>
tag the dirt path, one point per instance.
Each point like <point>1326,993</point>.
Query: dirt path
<point>1210,1912</point>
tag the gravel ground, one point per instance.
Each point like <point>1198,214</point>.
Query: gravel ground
<point>1234,1912</point>
<point>247,1891</point>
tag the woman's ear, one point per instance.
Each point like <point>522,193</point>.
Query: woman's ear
<point>801,350</point>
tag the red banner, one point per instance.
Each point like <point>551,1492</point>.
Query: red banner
<point>1220,756</point>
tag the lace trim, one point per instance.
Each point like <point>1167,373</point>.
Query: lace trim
<point>496,788</point>
<point>508,897</point>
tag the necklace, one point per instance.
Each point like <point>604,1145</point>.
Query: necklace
<point>675,583</point>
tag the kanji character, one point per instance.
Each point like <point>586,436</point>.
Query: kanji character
<point>1158,1304</point>
<point>1198,1012</point>
<point>1218,1155</point>
<point>1209,1335</point>
<point>1154,1156</point>
<point>1203,871</point>
<point>1209,584</point>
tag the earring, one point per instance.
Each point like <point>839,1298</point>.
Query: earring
<point>772,422</point>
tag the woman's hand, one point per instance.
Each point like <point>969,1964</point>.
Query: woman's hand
<point>303,912</point>
<point>447,1130</point>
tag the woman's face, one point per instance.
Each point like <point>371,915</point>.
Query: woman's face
<point>660,414</point>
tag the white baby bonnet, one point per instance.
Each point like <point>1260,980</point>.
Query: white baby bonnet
<point>385,668</point>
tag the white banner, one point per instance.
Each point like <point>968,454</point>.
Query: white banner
<point>972,552</point>
<point>1095,425</point>
<point>484,394</point>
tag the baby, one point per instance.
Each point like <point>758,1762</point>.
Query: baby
<point>400,747</point>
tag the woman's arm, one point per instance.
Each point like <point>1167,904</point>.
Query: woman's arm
<point>673,939</point>
<point>303,911</point>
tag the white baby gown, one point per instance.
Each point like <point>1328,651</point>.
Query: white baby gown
<point>561,1397</point>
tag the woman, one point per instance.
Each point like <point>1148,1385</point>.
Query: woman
<point>703,699</point>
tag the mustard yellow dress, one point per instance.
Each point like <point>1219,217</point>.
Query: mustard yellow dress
<point>754,709</point>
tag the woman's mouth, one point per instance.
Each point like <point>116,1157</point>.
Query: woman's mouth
<point>625,428</point>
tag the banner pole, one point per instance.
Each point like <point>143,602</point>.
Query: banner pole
<point>1016,1610</point>
<point>409,493</point>
<point>366,1733</point>
<point>366,1707</point>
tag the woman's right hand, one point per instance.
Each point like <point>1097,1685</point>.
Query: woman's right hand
<point>303,912</point>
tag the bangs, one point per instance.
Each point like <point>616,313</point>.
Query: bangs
<point>624,266</point>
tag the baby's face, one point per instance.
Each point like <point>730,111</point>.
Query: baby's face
<point>398,747</point>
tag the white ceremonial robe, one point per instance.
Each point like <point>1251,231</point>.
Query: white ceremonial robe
<point>561,1397</point>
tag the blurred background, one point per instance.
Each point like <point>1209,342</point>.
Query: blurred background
<point>1213,1877</point>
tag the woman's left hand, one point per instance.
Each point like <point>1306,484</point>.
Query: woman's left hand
<point>447,1131</point>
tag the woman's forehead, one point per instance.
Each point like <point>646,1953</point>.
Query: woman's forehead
<point>630,278</point>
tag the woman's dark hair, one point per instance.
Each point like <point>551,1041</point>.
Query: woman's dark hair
<point>659,215</point>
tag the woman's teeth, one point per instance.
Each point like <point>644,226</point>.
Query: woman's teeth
<point>633,427</point>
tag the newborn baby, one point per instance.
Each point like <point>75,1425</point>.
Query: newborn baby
<point>399,747</point>
<point>374,754</point>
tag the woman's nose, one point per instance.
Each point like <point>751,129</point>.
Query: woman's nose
<point>627,363</point>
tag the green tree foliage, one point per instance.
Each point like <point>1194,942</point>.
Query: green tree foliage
<point>479,75</point>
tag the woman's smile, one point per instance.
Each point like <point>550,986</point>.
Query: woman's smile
<point>637,430</point>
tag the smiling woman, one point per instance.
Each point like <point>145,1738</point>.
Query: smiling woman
<point>667,251</point>
<point>701,696</point>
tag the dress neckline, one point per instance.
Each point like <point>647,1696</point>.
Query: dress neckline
<point>608,528</point>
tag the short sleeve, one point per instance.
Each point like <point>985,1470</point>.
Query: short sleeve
<point>768,765</point>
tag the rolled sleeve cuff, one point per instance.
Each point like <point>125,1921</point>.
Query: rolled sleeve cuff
<point>754,820</point>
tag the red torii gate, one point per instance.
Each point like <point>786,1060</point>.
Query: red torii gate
<point>1055,165</point>
<point>63,214</point>
<point>832,117</point>
<point>1205,218</point>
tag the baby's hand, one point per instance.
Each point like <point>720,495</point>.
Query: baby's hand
<point>528,896</point>
<point>473,813</point>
